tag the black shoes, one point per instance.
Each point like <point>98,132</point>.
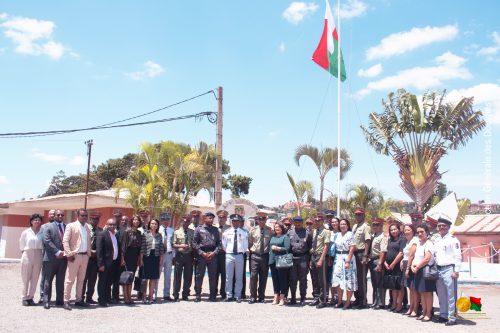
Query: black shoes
<point>238,300</point>
<point>184,298</point>
<point>46,305</point>
<point>251,301</point>
<point>67,307</point>
<point>292,301</point>
<point>91,301</point>
<point>103,304</point>
<point>450,323</point>
<point>262,300</point>
<point>378,307</point>
<point>197,299</point>
<point>81,304</point>
<point>25,303</point>
<point>212,299</point>
<point>321,305</point>
<point>302,301</point>
<point>167,299</point>
<point>229,299</point>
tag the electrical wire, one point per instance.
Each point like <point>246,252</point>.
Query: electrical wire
<point>211,116</point>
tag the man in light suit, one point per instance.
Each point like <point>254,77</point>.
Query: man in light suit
<point>108,254</point>
<point>77,248</point>
<point>54,261</point>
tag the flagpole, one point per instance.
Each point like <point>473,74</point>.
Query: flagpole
<point>338,110</point>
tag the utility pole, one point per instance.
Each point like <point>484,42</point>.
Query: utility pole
<point>89,154</point>
<point>218,147</point>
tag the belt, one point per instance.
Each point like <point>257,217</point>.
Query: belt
<point>445,266</point>
<point>359,251</point>
<point>299,254</point>
<point>342,252</point>
<point>208,248</point>
<point>259,255</point>
<point>235,254</point>
<point>82,253</point>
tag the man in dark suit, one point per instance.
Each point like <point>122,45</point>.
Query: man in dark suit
<point>54,261</point>
<point>91,274</point>
<point>108,255</point>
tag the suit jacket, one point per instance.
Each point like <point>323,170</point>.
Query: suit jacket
<point>52,242</point>
<point>73,238</point>
<point>105,249</point>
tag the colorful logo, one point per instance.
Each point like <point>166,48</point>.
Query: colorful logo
<point>465,304</point>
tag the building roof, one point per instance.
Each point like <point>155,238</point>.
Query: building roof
<point>483,224</point>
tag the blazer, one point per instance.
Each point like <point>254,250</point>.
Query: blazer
<point>73,238</point>
<point>104,249</point>
<point>52,242</point>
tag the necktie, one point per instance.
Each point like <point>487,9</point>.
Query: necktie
<point>166,239</point>
<point>61,232</point>
<point>235,242</point>
<point>261,241</point>
<point>185,237</point>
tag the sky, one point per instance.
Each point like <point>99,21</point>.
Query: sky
<point>74,64</point>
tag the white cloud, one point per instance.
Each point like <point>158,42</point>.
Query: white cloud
<point>151,70</point>
<point>351,8</point>
<point>296,12</point>
<point>57,158</point>
<point>3,16</point>
<point>32,36</point>
<point>486,98</point>
<point>273,134</point>
<point>491,50</point>
<point>405,41</point>
<point>3,179</point>
<point>371,72</point>
<point>282,47</point>
<point>449,66</point>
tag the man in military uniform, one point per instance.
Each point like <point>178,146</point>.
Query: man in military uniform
<point>207,243</point>
<point>91,273</point>
<point>235,244</point>
<point>329,215</point>
<point>301,243</point>
<point>183,269</point>
<point>245,259</point>
<point>258,243</point>
<point>377,254</point>
<point>362,243</point>
<point>319,248</point>
<point>221,256</point>
<point>448,259</point>
<point>195,219</point>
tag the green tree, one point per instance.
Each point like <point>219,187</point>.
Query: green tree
<point>367,198</point>
<point>325,160</point>
<point>302,190</point>
<point>418,137</point>
<point>239,185</point>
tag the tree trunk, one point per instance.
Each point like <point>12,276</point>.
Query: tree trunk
<point>322,186</point>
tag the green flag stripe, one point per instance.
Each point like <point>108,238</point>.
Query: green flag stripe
<point>333,63</point>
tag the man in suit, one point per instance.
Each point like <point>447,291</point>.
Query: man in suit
<point>51,215</point>
<point>120,229</point>
<point>54,261</point>
<point>77,248</point>
<point>107,251</point>
<point>91,274</point>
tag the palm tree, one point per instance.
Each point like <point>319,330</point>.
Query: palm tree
<point>416,138</point>
<point>325,160</point>
<point>364,197</point>
<point>302,190</point>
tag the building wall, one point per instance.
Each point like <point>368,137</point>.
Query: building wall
<point>483,251</point>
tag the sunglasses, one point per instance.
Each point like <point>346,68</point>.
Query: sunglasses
<point>59,214</point>
<point>83,215</point>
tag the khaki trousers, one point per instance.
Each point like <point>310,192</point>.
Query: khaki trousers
<point>76,270</point>
<point>31,265</point>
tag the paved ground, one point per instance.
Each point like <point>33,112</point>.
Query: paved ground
<point>224,317</point>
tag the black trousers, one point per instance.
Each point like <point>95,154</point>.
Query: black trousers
<point>115,279</point>
<point>183,271</point>
<point>360,294</point>
<point>280,279</point>
<point>42,281</point>
<point>90,279</point>
<point>298,275</point>
<point>203,265</point>
<point>259,268</point>
<point>57,269</point>
<point>318,277</point>
<point>221,274</point>
<point>105,282</point>
<point>377,279</point>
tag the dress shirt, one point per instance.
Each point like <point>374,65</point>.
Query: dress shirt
<point>421,250</point>
<point>83,235</point>
<point>241,241</point>
<point>115,244</point>
<point>30,241</point>
<point>167,238</point>
<point>448,251</point>
<point>379,244</point>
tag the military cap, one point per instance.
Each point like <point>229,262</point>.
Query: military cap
<point>329,212</point>
<point>359,211</point>
<point>222,212</point>
<point>236,217</point>
<point>298,219</point>
<point>444,220</point>
<point>165,216</point>
<point>209,214</point>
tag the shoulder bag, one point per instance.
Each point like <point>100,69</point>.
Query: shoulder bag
<point>126,277</point>
<point>431,272</point>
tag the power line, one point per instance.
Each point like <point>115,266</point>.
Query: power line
<point>211,116</point>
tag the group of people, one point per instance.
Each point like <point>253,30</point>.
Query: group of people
<point>336,255</point>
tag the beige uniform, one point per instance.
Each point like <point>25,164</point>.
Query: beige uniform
<point>361,234</point>
<point>321,237</point>
<point>379,244</point>
<point>180,238</point>
<point>254,242</point>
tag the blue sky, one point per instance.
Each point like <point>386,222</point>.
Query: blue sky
<point>71,64</point>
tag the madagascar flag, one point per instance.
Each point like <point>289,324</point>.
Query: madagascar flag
<point>475,303</point>
<point>326,54</point>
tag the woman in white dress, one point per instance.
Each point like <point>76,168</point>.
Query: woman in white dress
<point>344,273</point>
<point>31,246</point>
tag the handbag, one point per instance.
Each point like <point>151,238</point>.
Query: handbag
<point>431,272</point>
<point>333,247</point>
<point>284,260</point>
<point>140,283</point>
<point>126,277</point>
